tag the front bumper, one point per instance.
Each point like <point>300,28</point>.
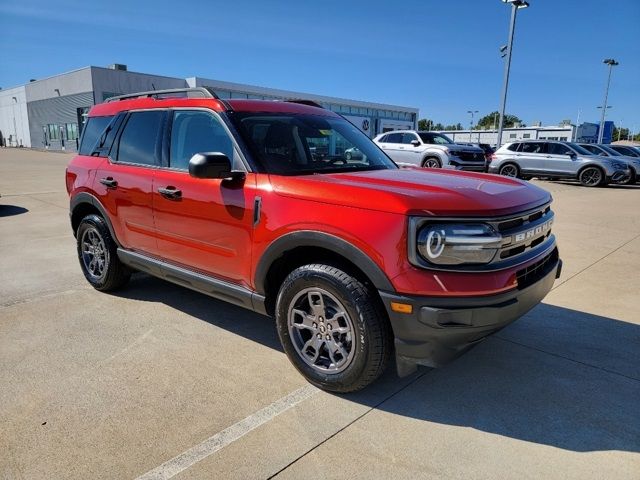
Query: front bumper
<point>440,329</point>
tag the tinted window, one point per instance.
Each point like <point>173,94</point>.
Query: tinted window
<point>592,149</point>
<point>140,138</point>
<point>91,132</point>
<point>383,139</point>
<point>533,147</point>
<point>408,138</point>
<point>196,132</point>
<point>513,147</point>
<point>559,149</point>
<point>394,138</point>
<point>435,138</point>
<point>625,151</point>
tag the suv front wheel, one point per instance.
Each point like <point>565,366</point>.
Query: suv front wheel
<point>98,255</point>
<point>332,328</point>
<point>591,177</point>
<point>431,162</point>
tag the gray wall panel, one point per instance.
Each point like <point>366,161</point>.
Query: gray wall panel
<point>58,111</point>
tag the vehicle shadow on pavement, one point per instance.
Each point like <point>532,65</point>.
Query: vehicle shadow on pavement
<point>11,210</point>
<point>556,377</point>
<point>216,312</point>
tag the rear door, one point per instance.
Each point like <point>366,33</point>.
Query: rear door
<point>124,182</point>
<point>203,224</point>
<point>560,160</point>
<point>531,157</point>
<point>393,146</point>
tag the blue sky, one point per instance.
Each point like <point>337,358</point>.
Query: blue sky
<point>438,55</point>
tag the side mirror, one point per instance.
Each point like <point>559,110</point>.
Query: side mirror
<point>212,165</point>
<point>415,143</point>
<point>573,155</point>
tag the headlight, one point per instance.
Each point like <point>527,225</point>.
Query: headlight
<point>455,244</point>
<point>619,165</point>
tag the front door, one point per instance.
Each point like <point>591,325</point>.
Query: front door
<point>561,160</point>
<point>203,224</point>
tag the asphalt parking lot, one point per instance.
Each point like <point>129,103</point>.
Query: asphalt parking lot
<point>157,381</point>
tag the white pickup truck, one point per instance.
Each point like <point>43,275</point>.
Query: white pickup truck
<point>430,150</point>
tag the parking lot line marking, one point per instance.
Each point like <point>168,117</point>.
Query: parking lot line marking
<point>220,440</point>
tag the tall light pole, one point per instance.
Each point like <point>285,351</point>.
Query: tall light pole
<point>620,130</point>
<point>612,63</point>
<point>575,137</point>
<point>515,6</point>
<point>472,112</point>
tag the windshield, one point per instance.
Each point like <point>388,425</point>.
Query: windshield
<point>435,138</point>
<point>579,149</point>
<point>293,144</point>
<point>610,151</point>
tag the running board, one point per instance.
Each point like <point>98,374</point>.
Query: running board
<point>243,297</point>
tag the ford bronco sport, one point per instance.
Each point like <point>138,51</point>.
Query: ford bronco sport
<point>355,258</point>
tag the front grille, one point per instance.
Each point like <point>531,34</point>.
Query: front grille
<point>534,272</point>
<point>471,156</point>
<point>523,233</point>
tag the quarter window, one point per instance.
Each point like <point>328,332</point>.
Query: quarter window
<point>196,132</point>
<point>140,138</point>
<point>91,132</point>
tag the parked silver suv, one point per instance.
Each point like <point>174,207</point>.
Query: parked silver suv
<point>430,149</point>
<point>607,151</point>
<point>544,158</point>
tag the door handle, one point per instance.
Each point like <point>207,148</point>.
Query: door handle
<point>172,193</point>
<point>109,182</point>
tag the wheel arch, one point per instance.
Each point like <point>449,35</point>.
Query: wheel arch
<point>300,248</point>
<point>84,204</point>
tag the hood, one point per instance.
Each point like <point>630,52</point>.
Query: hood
<point>416,191</point>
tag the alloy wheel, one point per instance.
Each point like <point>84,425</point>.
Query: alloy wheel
<point>431,163</point>
<point>321,330</point>
<point>94,253</point>
<point>591,177</point>
<point>509,171</point>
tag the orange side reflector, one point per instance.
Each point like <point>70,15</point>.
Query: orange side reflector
<point>401,307</point>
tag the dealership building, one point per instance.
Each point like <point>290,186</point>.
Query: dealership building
<point>50,113</point>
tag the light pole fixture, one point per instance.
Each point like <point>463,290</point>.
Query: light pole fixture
<point>612,63</point>
<point>515,6</point>
<point>472,112</point>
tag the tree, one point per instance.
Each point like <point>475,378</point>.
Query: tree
<point>425,124</point>
<point>620,133</point>
<point>491,120</point>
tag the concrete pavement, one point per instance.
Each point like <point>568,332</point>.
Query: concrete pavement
<point>113,386</point>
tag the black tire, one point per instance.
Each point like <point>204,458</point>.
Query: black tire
<point>591,177</point>
<point>507,169</point>
<point>368,345</point>
<point>431,162</point>
<point>97,253</point>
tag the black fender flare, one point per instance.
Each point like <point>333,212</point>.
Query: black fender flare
<point>311,238</point>
<point>87,198</point>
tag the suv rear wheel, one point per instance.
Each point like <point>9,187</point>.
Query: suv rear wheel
<point>591,177</point>
<point>332,328</point>
<point>509,170</point>
<point>98,256</point>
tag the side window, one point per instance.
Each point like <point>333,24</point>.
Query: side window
<point>559,149</point>
<point>394,138</point>
<point>513,147</point>
<point>91,132</point>
<point>594,150</point>
<point>196,132</point>
<point>383,139</point>
<point>533,147</point>
<point>139,142</point>
<point>407,138</point>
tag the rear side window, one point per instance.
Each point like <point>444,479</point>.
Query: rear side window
<point>559,149</point>
<point>394,138</point>
<point>140,139</point>
<point>196,132</point>
<point>513,147</point>
<point>533,147</point>
<point>92,132</point>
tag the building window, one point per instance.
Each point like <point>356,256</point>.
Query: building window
<point>526,135</point>
<point>512,135</point>
<point>53,131</point>
<point>71,131</point>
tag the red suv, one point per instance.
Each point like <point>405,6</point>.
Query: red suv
<point>257,203</point>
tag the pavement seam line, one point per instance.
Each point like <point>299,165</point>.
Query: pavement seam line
<point>595,263</point>
<point>220,440</point>
<point>566,358</point>
<point>295,460</point>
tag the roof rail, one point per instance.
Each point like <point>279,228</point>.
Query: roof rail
<point>192,92</point>
<point>303,101</point>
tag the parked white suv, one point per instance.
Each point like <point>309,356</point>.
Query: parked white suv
<point>430,149</point>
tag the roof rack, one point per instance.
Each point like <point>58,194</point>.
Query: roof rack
<point>303,101</point>
<point>192,92</point>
